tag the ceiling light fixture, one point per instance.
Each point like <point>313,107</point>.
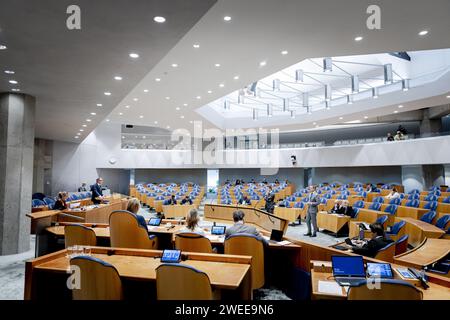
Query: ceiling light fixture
<point>141,117</point>
<point>107,120</point>
<point>84,125</point>
<point>127,107</point>
<point>217,65</point>
<point>196,46</point>
<point>81,130</point>
<point>156,122</point>
<point>284,52</point>
<point>341,118</point>
<point>174,65</point>
<point>145,90</point>
<point>120,113</point>
<point>15,90</point>
<point>262,63</point>
<point>3,47</point>
<point>159,19</point>
<point>107,93</point>
<point>167,98</point>
<point>13,82</point>
<point>227,18</point>
<point>423,33</point>
<point>134,55</point>
<point>9,72</point>
<point>396,111</point>
<point>76,137</point>
<point>135,99</point>
<point>177,108</point>
<point>366,117</point>
<point>185,104</point>
<point>93,114</point>
<point>448,97</point>
<point>118,78</point>
<point>358,38</point>
<point>209,91</point>
<point>99,105</point>
<point>168,127</point>
<point>157,79</point>
<point>400,106</point>
<point>236,77</point>
<point>182,117</point>
<point>221,85</point>
<point>88,120</point>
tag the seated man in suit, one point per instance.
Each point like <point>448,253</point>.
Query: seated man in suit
<point>186,200</point>
<point>337,207</point>
<point>347,209</point>
<point>240,227</point>
<point>83,187</point>
<point>244,200</point>
<point>172,200</point>
<point>371,247</point>
<point>96,190</point>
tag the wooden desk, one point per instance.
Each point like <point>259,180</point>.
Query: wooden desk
<point>415,213</point>
<point>427,253</point>
<point>226,272</point>
<point>435,292</point>
<point>290,214</point>
<point>331,222</point>
<point>95,214</point>
<point>177,210</point>
<point>419,230</point>
<point>254,216</point>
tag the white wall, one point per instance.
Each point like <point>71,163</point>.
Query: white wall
<point>447,174</point>
<point>385,174</point>
<point>412,178</point>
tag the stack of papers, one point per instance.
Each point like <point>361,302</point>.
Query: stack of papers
<point>330,287</point>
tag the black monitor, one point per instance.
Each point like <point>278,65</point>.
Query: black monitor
<point>171,256</point>
<point>218,230</point>
<point>276,235</point>
<point>154,222</point>
<point>348,266</point>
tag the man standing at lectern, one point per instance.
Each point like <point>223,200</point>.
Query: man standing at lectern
<point>311,215</point>
<point>96,190</point>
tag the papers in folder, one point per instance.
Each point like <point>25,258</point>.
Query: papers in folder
<point>330,287</point>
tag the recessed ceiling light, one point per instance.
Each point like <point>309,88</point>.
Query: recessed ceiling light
<point>134,55</point>
<point>198,97</point>
<point>423,33</point>
<point>182,117</point>
<point>217,65</point>
<point>396,111</point>
<point>314,123</point>
<point>157,79</point>
<point>341,118</point>
<point>135,99</point>
<point>236,77</point>
<point>123,137</point>
<point>88,120</point>
<point>76,137</point>
<point>448,97</point>
<point>81,130</point>
<point>227,18</point>
<point>107,120</point>
<point>3,47</point>
<point>141,116</point>
<point>190,121</point>
<point>400,106</point>
<point>262,63</point>
<point>366,117</point>
<point>156,122</point>
<point>185,104</point>
<point>107,93</point>
<point>13,81</point>
<point>159,19</point>
<point>143,137</point>
<point>174,65</point>
<point>284,52</point>
<point>145,90</point>
<point>120,113</point>
<point>167,98</point>
<point>209,91</point>
<point>196,46</point>
<point>93,113</point>
<point>221,85</point>
<point>168,127</point>
<point>177,108</point>
<point>9,72</point>
<point>118,78</point>
<point>84,125</point>
<point>127,107</point>
<point>15,90</point>
<point>358,38</point>
<point>99,105</point>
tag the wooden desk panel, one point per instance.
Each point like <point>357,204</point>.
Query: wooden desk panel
<point>428,252</point>
<point>290,214</point>
<point>177,210</point>
<point>331,222</point>
<point>419,230</point>
<point>415,213</point>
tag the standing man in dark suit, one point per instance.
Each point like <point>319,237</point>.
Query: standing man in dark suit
<point>311,215</point>
<point>96,190</point>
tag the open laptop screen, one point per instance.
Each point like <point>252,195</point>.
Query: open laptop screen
<point>348,266</point>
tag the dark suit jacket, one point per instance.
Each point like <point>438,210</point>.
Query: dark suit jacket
<point>60,205</point>
<point>171,201</point>
<point>348,211</point>
<point>242,201</point>
<point>184,201</point>
<point>371,248</point>
<point>96,192</point>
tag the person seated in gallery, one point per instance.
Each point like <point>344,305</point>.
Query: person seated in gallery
<point>244,201</point>
<point>389,137</point>
<point>133,206</point>
<point>370,248</point>
<point>399,136</point>
<point>83,187</point>
<point>186,200</point>
<point>371,187</point>
<point>172,200</point>
<point>393,194</point>
<point>60,203</point>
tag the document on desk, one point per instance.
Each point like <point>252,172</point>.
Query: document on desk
<point>330,287</point>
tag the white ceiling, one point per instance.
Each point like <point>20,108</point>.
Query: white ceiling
<point>258,31</point>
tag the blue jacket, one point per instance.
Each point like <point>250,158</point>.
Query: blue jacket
<point>96,192</point>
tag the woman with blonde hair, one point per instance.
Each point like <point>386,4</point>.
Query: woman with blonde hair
<point>133,206</point>
<point>192,220</point>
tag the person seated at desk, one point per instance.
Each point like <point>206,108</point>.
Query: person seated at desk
<point>244,201</point>
<point>238,182</point>
<point>347,209</point>
<point>83,187</point>
<point>270,203</point>
<point>227,182</point>
<point>371,247</point>
<point>337,207</point>
<point>280,203</point>
<point>253,181</point>
<point>172,200</point>
<point>96,190</point>
<point>60,203</point>
<point>277,181</point>
<point>186,200</point>
<point>133,206</point>
<point>264,181</point>
<point>371,188</point>
<point>393,194</point>
<point>240,227</point>
<point>192,220</point>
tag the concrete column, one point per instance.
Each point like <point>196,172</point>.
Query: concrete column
<point>429,125</point>
<point>17,113</point>
<point>412,178</point>
<point>433,175</point>
<point>447,174</point>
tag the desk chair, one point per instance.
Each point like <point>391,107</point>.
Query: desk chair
<point>192,242</point>
<point>443,222</point>
<point>358,204</point>
<point>428,217</point>
<point>397,230</point>
<point>401,245</point>
<point>77,234</point>
<point>391,208</point>
<point>432,205</point>
<point>431,197</point>
<point>249,245</point>
<point>375,206</point>
<point>126,232</point>
<point>389,289</point>
<point>37,203</point>
<point>379,200</point>
<point>412,203</point>
<point>386,253</point>
<point>446,200</point>
<point>382,220</point>
<point>182,282</point>
<point>395,201</point>
<point>99,280</point>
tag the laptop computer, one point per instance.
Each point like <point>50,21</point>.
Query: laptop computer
<point>348,270</point>
<point>218,230</point>
<point>276,235</point>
